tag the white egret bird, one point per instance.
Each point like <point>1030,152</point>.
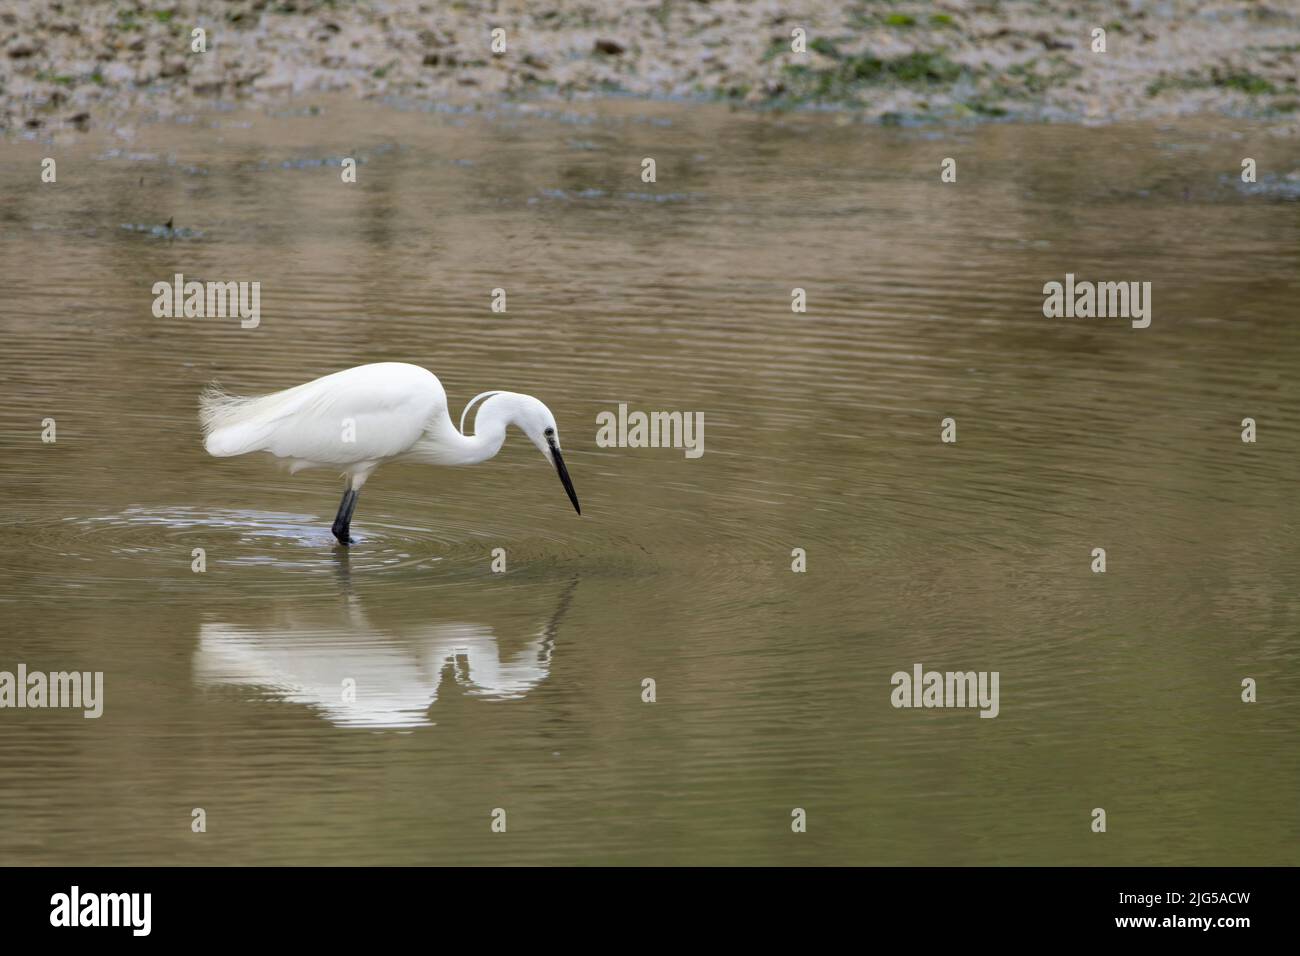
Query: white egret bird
<point>360,418</point>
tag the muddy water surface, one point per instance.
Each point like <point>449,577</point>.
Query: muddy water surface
<point>523,690</point>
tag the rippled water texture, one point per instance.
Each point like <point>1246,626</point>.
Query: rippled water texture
<point>522,690</point>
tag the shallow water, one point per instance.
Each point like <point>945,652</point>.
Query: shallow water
<point>522,690</point>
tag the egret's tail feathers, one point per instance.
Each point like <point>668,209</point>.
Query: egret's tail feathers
<point>235,424</point>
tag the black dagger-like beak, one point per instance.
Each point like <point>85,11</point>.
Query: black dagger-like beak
<point>564,474</point>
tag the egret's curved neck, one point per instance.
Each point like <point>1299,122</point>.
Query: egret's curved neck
<point>443,444</point>
<point>486,441</point>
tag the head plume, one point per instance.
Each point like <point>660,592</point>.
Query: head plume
<point>471,405</point>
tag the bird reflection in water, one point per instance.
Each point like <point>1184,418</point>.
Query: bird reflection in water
<point>356,674</point>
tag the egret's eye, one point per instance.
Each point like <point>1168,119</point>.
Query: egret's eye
<point>549,433</point>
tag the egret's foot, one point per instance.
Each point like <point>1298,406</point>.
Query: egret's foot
<point>343,520</point>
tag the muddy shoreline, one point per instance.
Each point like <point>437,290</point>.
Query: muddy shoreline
<point>66,65</point>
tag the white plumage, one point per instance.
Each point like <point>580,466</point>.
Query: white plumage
<point>387,406</point>
<point>362,417</point>
<point>397,678</point>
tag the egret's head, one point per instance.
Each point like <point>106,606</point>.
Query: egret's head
<point>536,421</point>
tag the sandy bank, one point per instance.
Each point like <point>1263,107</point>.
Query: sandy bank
<point>71,64</point>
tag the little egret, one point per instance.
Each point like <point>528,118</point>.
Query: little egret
<point>360,418</point>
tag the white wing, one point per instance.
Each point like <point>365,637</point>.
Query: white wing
<point>366,413</point>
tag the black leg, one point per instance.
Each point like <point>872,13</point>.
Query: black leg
<point>343,520</point>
